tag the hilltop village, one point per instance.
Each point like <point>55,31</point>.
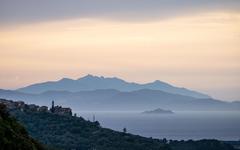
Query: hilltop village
<point>20,105</point>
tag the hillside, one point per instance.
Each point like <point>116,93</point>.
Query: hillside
<point>13,136</point>
<point>71,132</point>
<point>64,131</point>
<point>90,82</point>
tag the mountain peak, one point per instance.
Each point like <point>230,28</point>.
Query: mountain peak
<point>158,82</point>
<point>89,76</point>
<point>66,80</point>
<point>86,77</point>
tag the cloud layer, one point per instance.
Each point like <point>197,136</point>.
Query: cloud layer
<point>24,11</point>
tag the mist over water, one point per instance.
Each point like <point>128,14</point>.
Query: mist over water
<point>221,125</point>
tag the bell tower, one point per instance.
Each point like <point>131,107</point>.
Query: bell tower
<point>52,108</point>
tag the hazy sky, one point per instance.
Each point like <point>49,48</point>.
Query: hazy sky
<point>188,43</point>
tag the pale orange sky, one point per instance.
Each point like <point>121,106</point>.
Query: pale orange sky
<point>198,51</point>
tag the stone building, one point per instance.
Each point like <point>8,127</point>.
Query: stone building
<point>60,110</point>
<point>43,109</point>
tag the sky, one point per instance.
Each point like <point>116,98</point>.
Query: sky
<point>188,43</point>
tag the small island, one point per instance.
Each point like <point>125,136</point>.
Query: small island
<point>158,111</point>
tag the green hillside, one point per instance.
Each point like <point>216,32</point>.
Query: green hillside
<point>13,136</point>
<point>67,132</point>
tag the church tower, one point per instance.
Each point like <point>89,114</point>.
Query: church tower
<point>52,108</point>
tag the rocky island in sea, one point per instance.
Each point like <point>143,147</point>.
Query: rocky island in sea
<point>158,111</point>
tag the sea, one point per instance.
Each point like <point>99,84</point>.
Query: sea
<point>182,125</point>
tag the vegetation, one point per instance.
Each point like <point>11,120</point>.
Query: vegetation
<point>69,132</point>
<point>13,136</point>
<point>200,145</point>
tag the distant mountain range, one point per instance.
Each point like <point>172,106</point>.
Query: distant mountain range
<point>91,82</point>
<point>92,93</point>
<point>114,100</point>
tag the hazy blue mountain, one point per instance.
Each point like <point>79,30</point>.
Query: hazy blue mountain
<point>91,82</point>
<point>114,100</point>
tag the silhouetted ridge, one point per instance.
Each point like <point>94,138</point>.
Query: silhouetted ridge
<point>91,82</point>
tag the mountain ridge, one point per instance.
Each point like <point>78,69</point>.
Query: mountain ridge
<point>114,100</point>
<point>90,82</point>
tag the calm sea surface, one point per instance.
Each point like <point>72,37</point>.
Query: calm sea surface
<point>223,125</point>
